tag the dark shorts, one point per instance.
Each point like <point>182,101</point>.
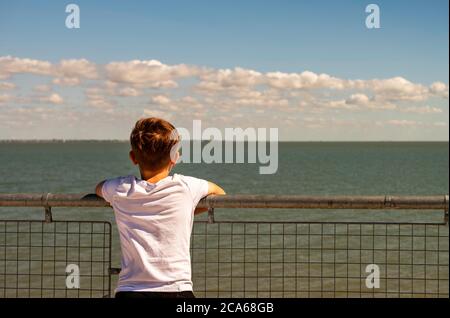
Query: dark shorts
<point>132,294</point>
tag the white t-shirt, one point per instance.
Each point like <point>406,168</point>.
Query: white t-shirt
<point>155,224</point>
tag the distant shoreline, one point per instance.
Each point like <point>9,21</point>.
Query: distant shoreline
<point>58,141</point>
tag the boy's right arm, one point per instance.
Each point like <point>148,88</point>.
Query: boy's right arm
<point>213,189</point>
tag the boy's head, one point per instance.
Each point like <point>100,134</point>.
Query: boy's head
<point>154,144</point>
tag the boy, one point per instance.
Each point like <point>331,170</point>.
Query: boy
<point>155,214</point>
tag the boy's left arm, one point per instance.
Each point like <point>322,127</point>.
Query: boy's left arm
<point>98,189</point>
<point>213,189</point>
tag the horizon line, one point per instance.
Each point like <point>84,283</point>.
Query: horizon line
<point>126,140</point>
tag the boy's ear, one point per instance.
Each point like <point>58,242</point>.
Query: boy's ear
<point>133,157</point>
<point>177,157</point>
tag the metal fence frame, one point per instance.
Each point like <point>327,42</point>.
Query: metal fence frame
<point>216,282</point>
<point>34,258</point>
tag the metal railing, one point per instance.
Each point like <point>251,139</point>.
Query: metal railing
<point>241,258</point>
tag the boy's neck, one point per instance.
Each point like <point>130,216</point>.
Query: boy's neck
<point>154,176</point>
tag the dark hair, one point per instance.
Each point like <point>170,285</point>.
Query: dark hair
<point>152,140</point>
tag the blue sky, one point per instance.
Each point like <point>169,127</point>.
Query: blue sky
<point>265,36</point>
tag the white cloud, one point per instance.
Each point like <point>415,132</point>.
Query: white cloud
<point>128,92</point>
<point>215,80</point>
<point>190,102</point>
<point>258,98</point>
<point>304,80</point>
<point>42,88</point>
<point>161,99</point>
<point>73,68</point>
<point>322,122</point>
<point>439,89</point>
<point>184,105</point>
<point>99,102</point>
<point>385,91</point>
<point>114,89</point>
<point>356,102</point>
<point>262,102</point>
<point>358,99</point>
<point>5,98</point>
<point>402,122</point>
<point>71,72</point>
<point>155,74</point>
<point>95,98</point>
<point>422,110</point>
<point>53,99</point>
<point>186,90</point>
<point>339,104</point>
<point>13,65</point>
<point>157,113</point>
<point>67,72</point>
<point>150,73</point>
<point>67,81</point>
<point>7,85</point>
<point>398,89</point>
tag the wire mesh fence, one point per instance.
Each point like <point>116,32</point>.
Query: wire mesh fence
<point>57,259</point>
<point>234,259</point>
<point>237,258</point>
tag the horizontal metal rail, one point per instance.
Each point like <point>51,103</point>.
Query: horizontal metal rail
<point>381,202</point>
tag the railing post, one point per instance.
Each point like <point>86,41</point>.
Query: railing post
<point>48,209</point>
<point>48,215</point>
<point>210,215</point>
<point>446,210</point>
